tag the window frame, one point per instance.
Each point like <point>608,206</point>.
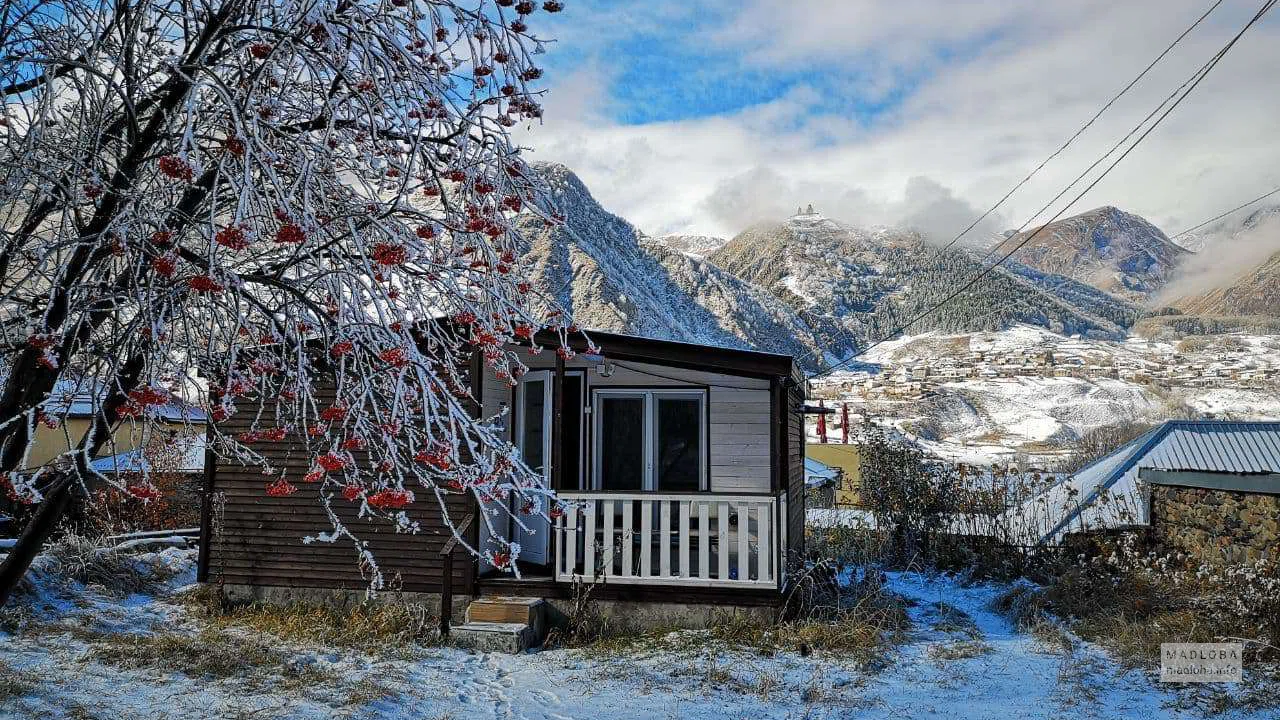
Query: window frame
<point>651,395</point>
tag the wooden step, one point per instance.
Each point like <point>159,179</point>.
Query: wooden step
<point>504,624</point>
<point>504,610</point>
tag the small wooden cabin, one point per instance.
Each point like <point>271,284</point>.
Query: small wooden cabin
<point>687,462</point>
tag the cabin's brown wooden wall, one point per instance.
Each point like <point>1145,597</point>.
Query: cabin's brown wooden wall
<point>259,541</point>
<point>795,469</point>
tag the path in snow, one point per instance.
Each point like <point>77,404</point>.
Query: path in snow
<point>1019,678</point>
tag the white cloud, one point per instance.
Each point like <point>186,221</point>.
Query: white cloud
<point>996,87</point>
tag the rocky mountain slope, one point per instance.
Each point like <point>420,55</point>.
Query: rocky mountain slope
<point>1110,249</point>
<point>866,282</point>
<point>1256,292</point>
<point>614,278</point>
<point>698,246</point>
<point>809,286</point>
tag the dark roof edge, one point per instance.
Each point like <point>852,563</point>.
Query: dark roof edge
<point>673,352</point>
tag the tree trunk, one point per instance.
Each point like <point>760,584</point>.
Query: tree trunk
<point>56,500</point>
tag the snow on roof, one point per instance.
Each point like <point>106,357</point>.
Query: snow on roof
<point>131,461</point>
<point>191,460</point>
<point>1106,494</point>
<point>817,474</point>
<point>82,397</point>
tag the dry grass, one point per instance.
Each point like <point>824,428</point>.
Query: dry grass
<point>208,654</point>
<point>15,683</point>
<point>1026,607</point>
<point>958,650</point>
<point>82,559</point>
<point>389,625</point>
<point>861,632</point>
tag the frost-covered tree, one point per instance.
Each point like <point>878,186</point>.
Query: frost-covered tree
<point>299,207</point>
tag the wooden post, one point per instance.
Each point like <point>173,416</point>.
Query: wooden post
<point>206,505</point>
<point>777,431</point>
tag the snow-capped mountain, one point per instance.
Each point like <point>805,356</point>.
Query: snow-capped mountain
<point>697,246</point>
<point>1112,250</point>
<point>868,281</point>
<point>614,278</point>
<point>1229,227</point>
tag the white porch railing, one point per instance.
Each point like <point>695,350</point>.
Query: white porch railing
<point>702,539</point>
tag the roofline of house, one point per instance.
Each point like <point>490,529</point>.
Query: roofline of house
<point>732,361</point>
<point>1144,443</point>
<point>1268,483</point>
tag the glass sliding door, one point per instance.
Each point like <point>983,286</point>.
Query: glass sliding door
<point>621,458</point>
<point>650,440</point>
<point>533,440</point>
<point>679,442</point>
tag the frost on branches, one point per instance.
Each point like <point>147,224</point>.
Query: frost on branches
<point>301,209</point>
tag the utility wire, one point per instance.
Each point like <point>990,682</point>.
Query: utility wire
<point>1199,77</point>
<point>1084,127</point>
<point>1215,218</point>
<point>938,253</point>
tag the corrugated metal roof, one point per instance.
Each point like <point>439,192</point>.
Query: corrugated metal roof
<point>1216,446</point>
<point>1190,445</point>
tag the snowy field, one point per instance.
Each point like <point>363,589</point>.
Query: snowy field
<point>961,660</point>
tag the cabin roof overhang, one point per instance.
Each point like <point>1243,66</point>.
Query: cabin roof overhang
<point>692,356</point>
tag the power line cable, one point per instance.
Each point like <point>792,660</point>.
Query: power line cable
<point>938,253</point>
<point>1215,218</point>
<point>1084,127</point>
<point>1194,82</point>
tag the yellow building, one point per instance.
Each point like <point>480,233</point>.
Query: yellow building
<point>849,460</point>
<point>179,421</point>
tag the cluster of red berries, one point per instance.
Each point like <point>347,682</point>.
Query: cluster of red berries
<point>281,488</point>
<point>389,255</point>
<point>232,237</point>
<point>143,491</point>
<point>391,499</point>
<point>395,357</point>
<point>290,234</point>
<point>205,284</point>
<point>275,434</point>
<point>175,167</point>
<point>165,265</point>
<point>142,399</point>
<point>437,457</point>
<point>332,462</point>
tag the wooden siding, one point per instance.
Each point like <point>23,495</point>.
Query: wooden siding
<point>738,414</point>
<point>257,539</point>
<point>795,471</point>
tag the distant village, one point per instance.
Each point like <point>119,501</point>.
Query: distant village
<point>919,377</point>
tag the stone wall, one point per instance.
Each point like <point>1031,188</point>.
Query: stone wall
<point>1217,525</point>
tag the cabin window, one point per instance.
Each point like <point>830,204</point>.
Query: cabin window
<point>650,440</point>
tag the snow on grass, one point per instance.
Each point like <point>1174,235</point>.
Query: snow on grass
<point>70,650</point>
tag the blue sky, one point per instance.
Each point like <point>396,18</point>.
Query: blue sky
<point>705,116</point>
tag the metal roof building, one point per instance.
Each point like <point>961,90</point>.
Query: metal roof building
<point>1108,494</point>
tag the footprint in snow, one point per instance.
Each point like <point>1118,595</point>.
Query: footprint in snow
<point>546,697</point>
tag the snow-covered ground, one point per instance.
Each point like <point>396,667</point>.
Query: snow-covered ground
<point>961,660</point>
